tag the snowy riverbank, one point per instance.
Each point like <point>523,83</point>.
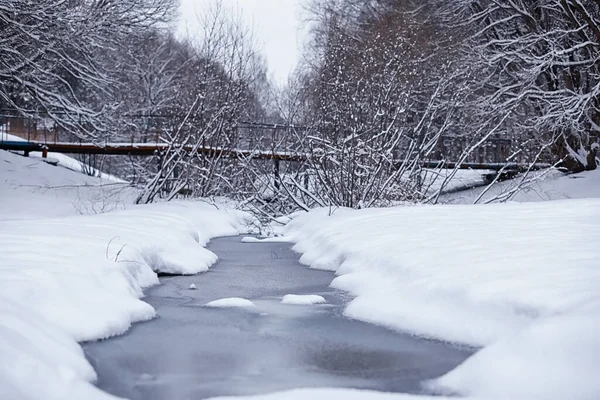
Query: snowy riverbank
<point>81,278</point>
<point>517,280</point>
<point>520,280</point>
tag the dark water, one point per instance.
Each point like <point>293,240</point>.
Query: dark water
<point>194,352</point>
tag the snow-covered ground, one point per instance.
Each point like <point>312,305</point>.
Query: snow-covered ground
<point>519,280</point>
<point>30,189</point>
<point>433,180</point>
<point>553,185</point>
<point>449,180</point>
<point>68,278</point>
<point>63,160</point>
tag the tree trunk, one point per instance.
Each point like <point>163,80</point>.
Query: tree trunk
<point>591,157</point>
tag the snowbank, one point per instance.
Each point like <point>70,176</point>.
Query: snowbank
<point>301,300</point>
<point>554,359</point>
<point>64,160</point>
<point>546,185</point>
<point>30,189</point>
<point>480,275</point>
<point>450,180</point>
<point>273,239</point>
<point>40,361</point>
<point>231,302</point>
<point>81,278</point>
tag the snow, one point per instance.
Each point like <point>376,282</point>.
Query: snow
<point>63,160</point>
<point>45,363</point>
<point>250,239</point>
<point>553,185</point>
<point>432,181</point>
<point>31,189</point>
<point>518,280</point>
<point>553,359</point>
<point>331,394</point>
<point>69,278</point>
<point>452,180</point>
<point>122,252</point>
<point>231,302</point>
<point>273,239</point>
<point>303,299</point>
<point>84,278</point>
<point>499,276</point>
<point>193,287</point>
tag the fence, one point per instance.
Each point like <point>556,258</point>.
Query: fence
<point>30,129</point>
<point>247,137</point>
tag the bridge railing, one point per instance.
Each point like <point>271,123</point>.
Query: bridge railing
<point>30,129</point>
<point>247,137</point>
<point>152,130</point>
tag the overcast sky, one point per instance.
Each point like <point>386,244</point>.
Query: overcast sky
<point>277,25</point>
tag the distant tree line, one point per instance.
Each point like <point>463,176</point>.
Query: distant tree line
<point>384,85</point>
<point>62,56</point>
<point>538,63</point>
<point>114,71</point>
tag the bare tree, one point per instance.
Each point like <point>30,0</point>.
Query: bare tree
<point>539,63</point>
<point>216,90</point>
<point>50,55</point>
<point>377,95</point>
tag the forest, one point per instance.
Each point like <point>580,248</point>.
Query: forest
<point>388,95</point>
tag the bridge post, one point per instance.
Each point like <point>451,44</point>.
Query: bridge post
<point>277,182</point>
<point>28,132</point>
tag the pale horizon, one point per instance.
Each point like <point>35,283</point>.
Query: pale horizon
<point>276,24</point>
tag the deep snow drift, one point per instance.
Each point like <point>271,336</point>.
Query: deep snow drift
<point>520,279</point>
<point>81,278</point>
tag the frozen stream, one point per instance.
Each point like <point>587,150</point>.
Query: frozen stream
<point>195,352</point>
